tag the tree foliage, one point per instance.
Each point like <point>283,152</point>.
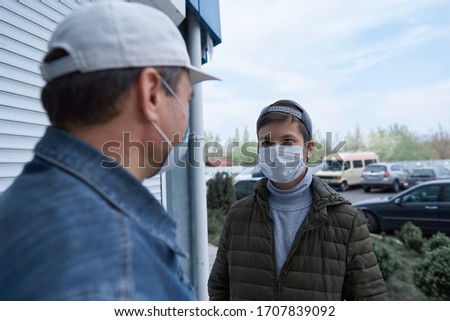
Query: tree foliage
<point>397,143</point>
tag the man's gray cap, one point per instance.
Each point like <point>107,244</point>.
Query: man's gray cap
<point>114,35</point>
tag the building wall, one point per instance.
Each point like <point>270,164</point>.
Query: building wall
<point>26,26</point>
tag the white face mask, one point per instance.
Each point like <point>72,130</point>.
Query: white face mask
<point>280,163</point>
<point>177,154</point>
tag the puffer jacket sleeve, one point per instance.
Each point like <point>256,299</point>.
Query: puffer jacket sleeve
<point>363,278</point>
<point>218,283</point>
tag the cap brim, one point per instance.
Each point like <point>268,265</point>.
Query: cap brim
<point>196,75</point>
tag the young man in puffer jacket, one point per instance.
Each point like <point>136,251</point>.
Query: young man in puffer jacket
<point>295,238</point>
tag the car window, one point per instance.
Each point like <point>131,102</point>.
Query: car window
<point>422,173</point>
<point>446,193</point>
<point>427,193</point>
<point>357,163</point>
<point>375,168</point>
<point>346,165</point>
<point>369,161</point>
<point>332,165</point>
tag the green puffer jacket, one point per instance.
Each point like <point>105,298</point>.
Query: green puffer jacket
<point>331,257</point>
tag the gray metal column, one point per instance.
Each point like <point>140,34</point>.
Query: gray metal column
<point>199,259</point>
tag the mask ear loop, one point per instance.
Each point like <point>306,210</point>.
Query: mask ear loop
<point>172,92</point>
<point>184,109</point>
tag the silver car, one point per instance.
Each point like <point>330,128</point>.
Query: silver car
<point>384,175</point>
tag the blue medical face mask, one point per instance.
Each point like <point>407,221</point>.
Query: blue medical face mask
<point>280,163</point>
<point>176,153</point>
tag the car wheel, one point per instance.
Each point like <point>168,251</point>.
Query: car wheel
<point>396,187</point>
<point>343,186</point>
<point>366,189</point>
<point>371,221</point>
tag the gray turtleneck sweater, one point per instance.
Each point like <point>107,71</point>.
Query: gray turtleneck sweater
<point>288,209</point>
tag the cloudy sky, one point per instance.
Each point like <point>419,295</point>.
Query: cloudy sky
<point>348,62</point>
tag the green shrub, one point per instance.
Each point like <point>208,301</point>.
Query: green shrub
<point>216,218</point>
<point>220,197</point>
<point>432,274</point>
<point>411,236</point>
<point>438,239</point>
<point>386,258</point>
<point>221,194</point>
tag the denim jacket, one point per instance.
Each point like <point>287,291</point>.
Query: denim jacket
<point>71,229</point>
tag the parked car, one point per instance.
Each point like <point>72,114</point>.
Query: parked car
<point>244,187</point>
<point>426,205</point>
<point>343,170</point>
<point>246,173</point>
<point>420,175</point>
<point>384,175</point>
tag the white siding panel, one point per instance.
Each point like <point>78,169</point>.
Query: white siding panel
<point>5,182</point>
<point>23,115</point>
<point>26,26</point>
<point>19,101</point>
<point>23,36</point>
<point>17,142</point>
<point>24,129</point>
<point>10,170</point>
<point>22,10</point>
<point>44,10</point>
<point>18,87</point>
<point>18,21</point>
<point>25,50</point>
<point>21,75</point>
<point>15,156</point>
<point>22,62</point>
<point>58,6</point>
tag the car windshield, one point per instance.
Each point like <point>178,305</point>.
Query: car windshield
<point>375,168</point>
<point>332,165</point>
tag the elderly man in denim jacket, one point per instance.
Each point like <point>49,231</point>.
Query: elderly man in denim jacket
<point>77,224</point>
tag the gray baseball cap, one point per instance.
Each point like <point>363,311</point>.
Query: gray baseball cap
<point>114,35</point>
<point>300,113</point>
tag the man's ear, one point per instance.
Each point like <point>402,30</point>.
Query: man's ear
<point>309,149</point>
<point>149,93</point>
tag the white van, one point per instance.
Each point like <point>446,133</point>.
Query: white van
<point>342,170</point>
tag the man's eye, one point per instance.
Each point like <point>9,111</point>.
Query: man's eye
<point>266,143</point>
<point>287,142</point>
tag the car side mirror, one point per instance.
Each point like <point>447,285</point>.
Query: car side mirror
<point>398,201</point>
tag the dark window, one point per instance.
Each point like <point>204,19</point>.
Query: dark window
<point>375,168</point>
<point>423,173</point>
<point>369,161</point>
<point>346,166</point>
<point>427,193</point>
<point>357,163</point>
<point>446,193</point>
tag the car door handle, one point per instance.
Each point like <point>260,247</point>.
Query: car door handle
<point>431,207</point>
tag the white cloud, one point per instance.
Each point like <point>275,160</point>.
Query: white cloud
<point>312,51</point>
